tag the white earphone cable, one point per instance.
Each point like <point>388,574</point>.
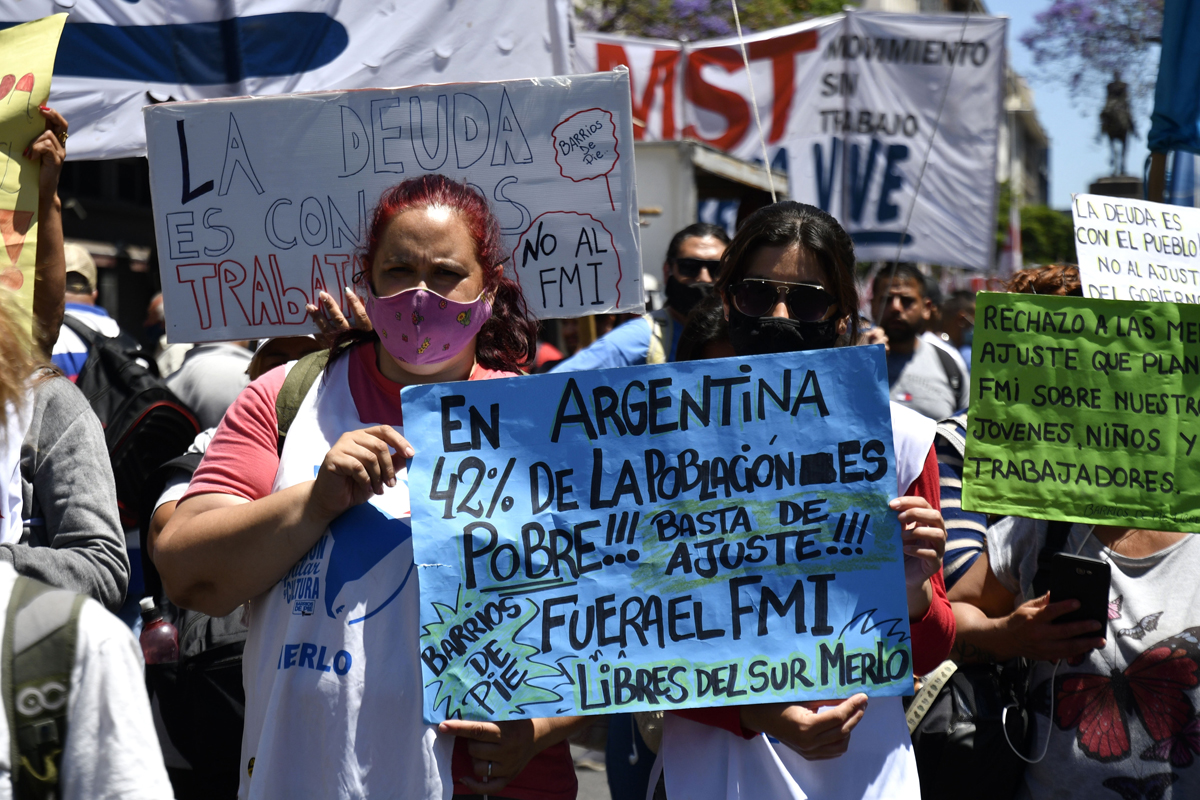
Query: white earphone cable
<point>1049,732</point>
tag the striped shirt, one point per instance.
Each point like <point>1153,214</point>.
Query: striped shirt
<point>964,529</point>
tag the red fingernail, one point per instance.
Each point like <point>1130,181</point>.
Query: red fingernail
<point>44,108</point>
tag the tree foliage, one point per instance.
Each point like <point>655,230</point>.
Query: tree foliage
<point>694,20</point>
<point>1047,236</point>
<point>1083,42</point>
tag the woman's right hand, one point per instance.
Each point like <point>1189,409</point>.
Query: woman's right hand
<point>1033,633</point>
<point>50,149</point>
<point>814,730</point>
<point>330,321</point>
<point>874,335</point>
<point>358,465</point>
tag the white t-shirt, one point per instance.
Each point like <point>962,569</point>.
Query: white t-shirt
<point>937,341</point>
<point>111,749</point>
<point>707,763</point>
<point>1125,720</point>
<point>332,667</point>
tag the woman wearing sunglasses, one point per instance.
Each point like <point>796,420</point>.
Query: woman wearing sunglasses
<point>787,283</point>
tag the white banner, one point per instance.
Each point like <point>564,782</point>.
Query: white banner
<point>881,91</point>
<point>1137,250</point>
<point>849,104</point>
<point>117,56</point>
<point>259,203</point>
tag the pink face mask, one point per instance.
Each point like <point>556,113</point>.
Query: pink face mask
<point>418,326</point>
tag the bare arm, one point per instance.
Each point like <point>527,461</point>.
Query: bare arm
<point>924,541</point>
<point>162,515</point>
<point>50,271</point>
<point>978,639</point>
<point>988,629</point>
<point>218,551</point>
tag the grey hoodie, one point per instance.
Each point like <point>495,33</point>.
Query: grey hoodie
<point>72,534</point>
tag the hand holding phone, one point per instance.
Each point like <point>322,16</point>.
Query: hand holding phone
<point>1086,580</point>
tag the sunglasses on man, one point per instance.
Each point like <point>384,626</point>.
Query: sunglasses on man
<point>906,301</point>
<point>806,302</point>
<point>690,267</point>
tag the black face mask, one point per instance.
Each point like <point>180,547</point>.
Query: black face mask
<point>756,336</point>
<point>683,297</point>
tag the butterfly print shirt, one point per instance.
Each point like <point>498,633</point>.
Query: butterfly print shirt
<point>1124,719</point>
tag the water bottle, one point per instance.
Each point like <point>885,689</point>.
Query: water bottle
<point>160,640</point>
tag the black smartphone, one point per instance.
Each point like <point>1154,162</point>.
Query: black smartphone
<point>1083,579</point>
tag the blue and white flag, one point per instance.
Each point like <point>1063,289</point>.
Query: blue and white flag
<point>117,56</point>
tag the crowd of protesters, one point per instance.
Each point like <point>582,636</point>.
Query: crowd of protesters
<point>294,433</point>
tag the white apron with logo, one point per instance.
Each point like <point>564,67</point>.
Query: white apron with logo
<point>707,763</point>
<point>331,666</point>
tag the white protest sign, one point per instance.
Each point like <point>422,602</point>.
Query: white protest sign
<point>260,203</point>
<point>1137,250</point>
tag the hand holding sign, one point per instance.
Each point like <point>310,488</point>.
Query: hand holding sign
<point>585,146</point>
<point>26,62</point>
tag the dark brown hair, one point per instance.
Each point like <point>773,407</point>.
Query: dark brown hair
<point>1055,279</point>
<point>697,230</point>
<point>508,340</point>
<point>787,223</point>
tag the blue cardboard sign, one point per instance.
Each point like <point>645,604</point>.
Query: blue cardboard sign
<point>662,537</point>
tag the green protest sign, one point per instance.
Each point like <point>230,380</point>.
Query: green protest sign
<point>1085,410</point>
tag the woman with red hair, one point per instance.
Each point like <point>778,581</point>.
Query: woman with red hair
<point>311,531</point>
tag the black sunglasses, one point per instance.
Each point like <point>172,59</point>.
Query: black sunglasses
<point>906,301</point>
<point>690,267</point>
<point>806,302</point>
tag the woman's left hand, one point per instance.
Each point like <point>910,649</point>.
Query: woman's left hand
<point>499,750</point>
<point>924,540</point>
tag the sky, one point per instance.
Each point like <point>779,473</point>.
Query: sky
<point>1077,156</point>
